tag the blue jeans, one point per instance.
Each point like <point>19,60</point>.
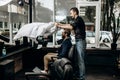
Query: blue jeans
<point>81,47</point>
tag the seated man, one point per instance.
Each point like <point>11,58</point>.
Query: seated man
<point>62,51</point>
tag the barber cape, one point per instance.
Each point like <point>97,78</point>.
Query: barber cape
<point>32,30</point>
<point>4,2</point>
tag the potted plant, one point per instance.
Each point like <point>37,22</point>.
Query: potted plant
<point>115,25</point>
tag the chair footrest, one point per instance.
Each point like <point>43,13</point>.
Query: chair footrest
<point>35,74</point>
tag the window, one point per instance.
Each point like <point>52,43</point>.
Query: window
<point>1,24</point>
<point>6,25</point>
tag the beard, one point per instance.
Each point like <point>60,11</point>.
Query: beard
<point>63,37</point>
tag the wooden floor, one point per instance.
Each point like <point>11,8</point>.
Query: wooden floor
<point>92,73</point>
<point>101,73</point>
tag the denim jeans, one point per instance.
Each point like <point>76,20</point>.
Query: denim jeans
<point>81,47</point>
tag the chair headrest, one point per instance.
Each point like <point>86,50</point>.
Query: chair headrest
<point>71,52</point>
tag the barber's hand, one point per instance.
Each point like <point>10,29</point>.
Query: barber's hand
<point>56,24</point>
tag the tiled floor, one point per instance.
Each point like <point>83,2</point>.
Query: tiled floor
<point>92,73</point>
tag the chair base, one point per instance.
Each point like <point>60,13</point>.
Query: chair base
<point>36,76</point>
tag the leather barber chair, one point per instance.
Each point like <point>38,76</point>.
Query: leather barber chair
<point>60,69</point>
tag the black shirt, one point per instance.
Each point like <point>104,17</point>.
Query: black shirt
<point>79,28</point>
<point>64,48</point>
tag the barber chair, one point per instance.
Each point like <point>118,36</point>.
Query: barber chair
<point>60,69</point>
<point>42,40</point>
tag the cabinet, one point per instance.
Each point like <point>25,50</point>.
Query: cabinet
<point>7,70</point>
<point>16,56</point>
<point>17,61</point>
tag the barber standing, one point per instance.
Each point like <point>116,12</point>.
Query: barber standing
<point>78,26</point>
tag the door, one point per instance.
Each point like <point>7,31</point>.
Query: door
<point>90,12</point>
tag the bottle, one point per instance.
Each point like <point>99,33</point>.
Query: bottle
<point>4,51</point>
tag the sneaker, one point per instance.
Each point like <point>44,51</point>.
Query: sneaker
<point>43,71</point>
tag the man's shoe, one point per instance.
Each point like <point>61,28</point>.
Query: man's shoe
<point>44,72</point>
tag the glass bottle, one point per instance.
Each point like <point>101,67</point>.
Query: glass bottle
<point>4,51</point>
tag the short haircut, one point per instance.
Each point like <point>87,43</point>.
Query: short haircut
<point>75,9</point>
<point>67,31</point>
